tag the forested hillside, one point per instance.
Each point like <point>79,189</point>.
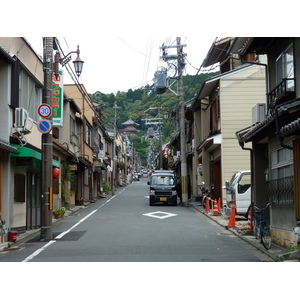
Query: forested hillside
<point>133,104</point>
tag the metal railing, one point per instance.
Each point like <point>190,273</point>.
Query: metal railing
<point>285,90</point>
<point>281,191</point>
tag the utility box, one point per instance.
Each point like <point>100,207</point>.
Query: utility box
<point>258,113</point>
<point>150,133</point>
<point>160,82</point>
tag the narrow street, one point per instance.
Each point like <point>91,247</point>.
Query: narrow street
<point>124,228</point>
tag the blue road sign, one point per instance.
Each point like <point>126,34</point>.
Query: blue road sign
<point>44,126</point>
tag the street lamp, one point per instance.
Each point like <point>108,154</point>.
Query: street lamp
<point>78,63</point>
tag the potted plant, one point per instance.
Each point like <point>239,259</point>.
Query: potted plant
<point>59,213</point>
<point>105,187</point>
<point>79,201</point>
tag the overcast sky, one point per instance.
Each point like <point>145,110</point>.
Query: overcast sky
<point>119,40</point>
<point>120,63</point>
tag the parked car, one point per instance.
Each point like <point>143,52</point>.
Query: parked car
<point>163,188</point>
<point>238,192</point>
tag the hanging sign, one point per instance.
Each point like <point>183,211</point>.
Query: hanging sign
<point>57,99</point>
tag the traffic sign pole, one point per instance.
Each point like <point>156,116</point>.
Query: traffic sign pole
<point>47,147</point>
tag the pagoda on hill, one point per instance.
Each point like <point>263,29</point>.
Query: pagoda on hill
<point>130,128</point>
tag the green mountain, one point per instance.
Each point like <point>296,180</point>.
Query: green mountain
<point>133,104</point>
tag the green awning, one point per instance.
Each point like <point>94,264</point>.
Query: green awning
<point>27,152</point>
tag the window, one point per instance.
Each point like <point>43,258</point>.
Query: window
<point>281,163</point>
<point>244,184</point>
<point>281,183</point>
<point>214,115</point>
<point>285,67</point>
<point>30,95</point>
<point>107,148</point>
<point>88,135</point>
<point>162,180</point>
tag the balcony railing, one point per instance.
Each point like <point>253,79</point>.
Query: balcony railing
<point>284,91</point>
<point>281,191</point>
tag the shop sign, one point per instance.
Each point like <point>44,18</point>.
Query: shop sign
<point>57,99</point>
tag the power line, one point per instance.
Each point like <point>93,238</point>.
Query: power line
<point>132,47</point>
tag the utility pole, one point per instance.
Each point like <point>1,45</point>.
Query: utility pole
<point>159,124</point>
<point>161,89</point>
<point>180,64</point>
<point>47,152</point>
<point>114,152</point>
<point>160,142</point>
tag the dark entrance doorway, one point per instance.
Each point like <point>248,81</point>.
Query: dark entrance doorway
<point>33,208</point>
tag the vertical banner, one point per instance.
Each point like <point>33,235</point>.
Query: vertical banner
<point>57,99</point>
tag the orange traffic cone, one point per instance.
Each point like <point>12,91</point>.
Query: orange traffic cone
<point>207,206</point>
<point>219,205</point>
<point>249,221</point>
<point>231,222</point>
<point>216,210</point>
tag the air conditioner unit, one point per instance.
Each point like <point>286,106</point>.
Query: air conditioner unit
<point>258,113</point>
<point>21,117</point>
<point>21,120</point>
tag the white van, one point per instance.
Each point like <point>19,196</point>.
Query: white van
<point>238,192</point>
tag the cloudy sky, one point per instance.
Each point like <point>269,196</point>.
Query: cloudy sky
<point>119,40</point>
<point>118,63</point>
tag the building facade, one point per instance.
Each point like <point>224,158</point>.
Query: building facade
<point>275,138</point>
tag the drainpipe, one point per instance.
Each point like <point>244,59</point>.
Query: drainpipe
<point>242,145</point>
<point>266,70</point>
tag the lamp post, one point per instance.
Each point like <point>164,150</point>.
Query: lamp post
<point>78,63</point>
<point>50,67</point>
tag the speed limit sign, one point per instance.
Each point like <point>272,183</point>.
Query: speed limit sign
<point>44,110</point>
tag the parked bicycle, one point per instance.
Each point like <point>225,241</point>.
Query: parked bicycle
<point>206,195</point>
<point>262,228</point>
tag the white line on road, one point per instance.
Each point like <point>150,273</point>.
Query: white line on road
<point>67,231</point>
<point>37,252</point>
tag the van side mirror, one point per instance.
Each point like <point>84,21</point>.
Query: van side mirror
<point>227,185</point>
<point>148,182</point>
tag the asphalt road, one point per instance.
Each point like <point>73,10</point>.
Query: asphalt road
<point>124,228</point>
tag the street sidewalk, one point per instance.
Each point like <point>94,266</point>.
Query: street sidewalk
<point>276,252</point>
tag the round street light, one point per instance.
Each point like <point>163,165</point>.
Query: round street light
<point>78,63</point>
